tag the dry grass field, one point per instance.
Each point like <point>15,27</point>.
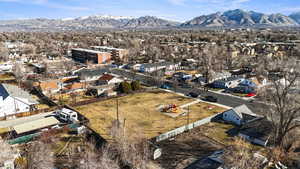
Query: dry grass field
<point>139,111</point>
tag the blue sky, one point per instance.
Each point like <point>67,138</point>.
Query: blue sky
<point>179,10</point>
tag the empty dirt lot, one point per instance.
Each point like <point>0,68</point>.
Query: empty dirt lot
<point>139,111</point>
<point>186,148</point>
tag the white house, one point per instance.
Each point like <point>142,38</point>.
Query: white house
<point>108,79</point>
<point>152,67</point>
<point>239,115</point>
<point>227,83</point>
<point>14,100</point>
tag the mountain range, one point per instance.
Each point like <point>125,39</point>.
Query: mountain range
<point>231,18</point>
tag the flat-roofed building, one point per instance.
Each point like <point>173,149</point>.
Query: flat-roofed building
<point>116,53</point>
<point>93,56</point>
<point>35,125</point>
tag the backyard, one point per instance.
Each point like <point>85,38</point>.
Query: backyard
<point>141,115</point>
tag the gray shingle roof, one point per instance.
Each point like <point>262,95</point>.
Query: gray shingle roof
<point>14,91</point>
<point>242,109</point>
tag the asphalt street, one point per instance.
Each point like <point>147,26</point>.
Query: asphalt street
<point>222,99</point>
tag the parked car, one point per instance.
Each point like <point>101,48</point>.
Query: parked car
<point>165,86</point>
<point>211,99</point>
<point>193,94</point>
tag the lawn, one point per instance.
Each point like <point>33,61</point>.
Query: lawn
<point>141,113</point>
<point>218,132</point>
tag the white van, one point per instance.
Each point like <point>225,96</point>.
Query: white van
<point>67,115</point>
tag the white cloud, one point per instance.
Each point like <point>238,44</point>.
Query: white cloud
<point>290,9</point>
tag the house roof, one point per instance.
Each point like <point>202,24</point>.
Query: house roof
<point>242,110</point>
<point>70,80</point>
<point>260,129</point>
<point>34,125</point>
<point>106,77</point>
<point>91,73</point>
<point>74,86</point>
<point>229,79</point>
<point>16,92</point>
<point>87,50</point>
<point>49,85</point>
<point>214,161</point>
<point>149,65</point>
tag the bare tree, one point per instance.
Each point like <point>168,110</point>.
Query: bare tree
<point>18,72</point>
<point>7,152</point>
<point>240,156</point>
<point>40,156</point>
<point>207,57</point>
<point>133,149</point>
<point>284,106</point>
<point>3,53</point>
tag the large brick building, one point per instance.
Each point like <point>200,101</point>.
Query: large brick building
<point>116,53</point>
<point>93,56</point>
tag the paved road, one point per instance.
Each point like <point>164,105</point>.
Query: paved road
<point>222,99</point>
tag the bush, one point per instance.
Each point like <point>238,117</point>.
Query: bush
<point>125,87</point>
<point>135,85</point>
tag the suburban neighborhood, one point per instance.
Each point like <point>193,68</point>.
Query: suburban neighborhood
<point>180,97</point>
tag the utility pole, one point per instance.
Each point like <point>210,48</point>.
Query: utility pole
<point>118,112</point>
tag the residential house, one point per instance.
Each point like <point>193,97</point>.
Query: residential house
<point>227,83</point>
<point>242,90</point>
<point>200,80</point>
<point>152,67</point>
<point>108,79</point>
<point>14,100</point>
<point>49,86</point>
<point>239,115</point>
<point>136,67</point>
<point>70,79</point>
<point>219,76</point>
<point>74,87</point>
<point>248,83</point>
<point>257,131</point>
<point>91,75</point>
<point>259,81</point>
<point>182,76</point>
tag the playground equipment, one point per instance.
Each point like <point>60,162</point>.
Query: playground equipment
<point>171,108</point>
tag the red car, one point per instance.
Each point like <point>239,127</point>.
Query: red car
<point>250,95</point>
